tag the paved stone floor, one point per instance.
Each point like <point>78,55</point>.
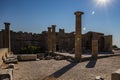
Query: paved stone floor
<point>65,70</point>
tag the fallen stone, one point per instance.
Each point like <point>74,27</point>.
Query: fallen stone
<point>116,75</point>
<point>40,56</point>
<point>27,57</point>
<point>99,78</point>
<point>11,66</point>
<point>9,60</point>
<point>58,57</point>
<point>48,57</point>
<point>6,74</point>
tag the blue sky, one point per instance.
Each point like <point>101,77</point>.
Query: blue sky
<point>36,15</point>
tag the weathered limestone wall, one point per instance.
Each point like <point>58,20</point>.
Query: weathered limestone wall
<point>94,48</point>
<point>2,53</point>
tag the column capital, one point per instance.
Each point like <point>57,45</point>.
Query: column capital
<point>6,23</point>
<point>49,27</point>
<point>78,13</point>
<point>53,26</point>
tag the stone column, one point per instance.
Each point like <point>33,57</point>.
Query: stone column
<point>94,48</point>
<point>78,35</point>
<point>110,46</point>
<point>108,43</point>
<point>49,40</point>
<point>1,39</point>
<point>53,38</point>
<point>7,36</point>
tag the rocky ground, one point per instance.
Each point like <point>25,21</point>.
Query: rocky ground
<point>65,70</point>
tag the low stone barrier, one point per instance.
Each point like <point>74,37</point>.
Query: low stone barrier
<point>116,75</point>
<point>27,57</point>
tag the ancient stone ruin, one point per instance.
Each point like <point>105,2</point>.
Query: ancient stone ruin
<point>52,41</point>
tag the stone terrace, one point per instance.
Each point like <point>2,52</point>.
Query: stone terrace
<point>65,70</point>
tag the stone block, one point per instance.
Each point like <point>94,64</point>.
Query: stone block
<point>58,57</point>
<point>40,56</point>
<point>48,57</point>
<point>27,57</point>
<point>116,75</point>
<point>6,74</point>
<point>11,66</point>
<point>2,53</point>
<point>99,78</point>
<point>9,60</point>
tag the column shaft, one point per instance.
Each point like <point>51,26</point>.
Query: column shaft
<point>7,36</point>
<point>94,48</point>
<point>53,38</point>
<point>78,36</point>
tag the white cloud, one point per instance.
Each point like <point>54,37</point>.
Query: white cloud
<point>84,29</point>
<point>93,12</point>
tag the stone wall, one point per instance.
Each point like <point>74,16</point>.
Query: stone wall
<point>55,41</point>
<point>21,39</point>
<point>2,53</point>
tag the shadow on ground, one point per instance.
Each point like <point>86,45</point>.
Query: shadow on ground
<point>91,63</point>
<point>60,72</point>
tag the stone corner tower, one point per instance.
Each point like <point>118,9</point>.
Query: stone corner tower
<point>78,35</point>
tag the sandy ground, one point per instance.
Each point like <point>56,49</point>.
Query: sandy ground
<point>65,70</point>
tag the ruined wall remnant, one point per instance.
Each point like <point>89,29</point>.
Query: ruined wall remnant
<point>50,40</point>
